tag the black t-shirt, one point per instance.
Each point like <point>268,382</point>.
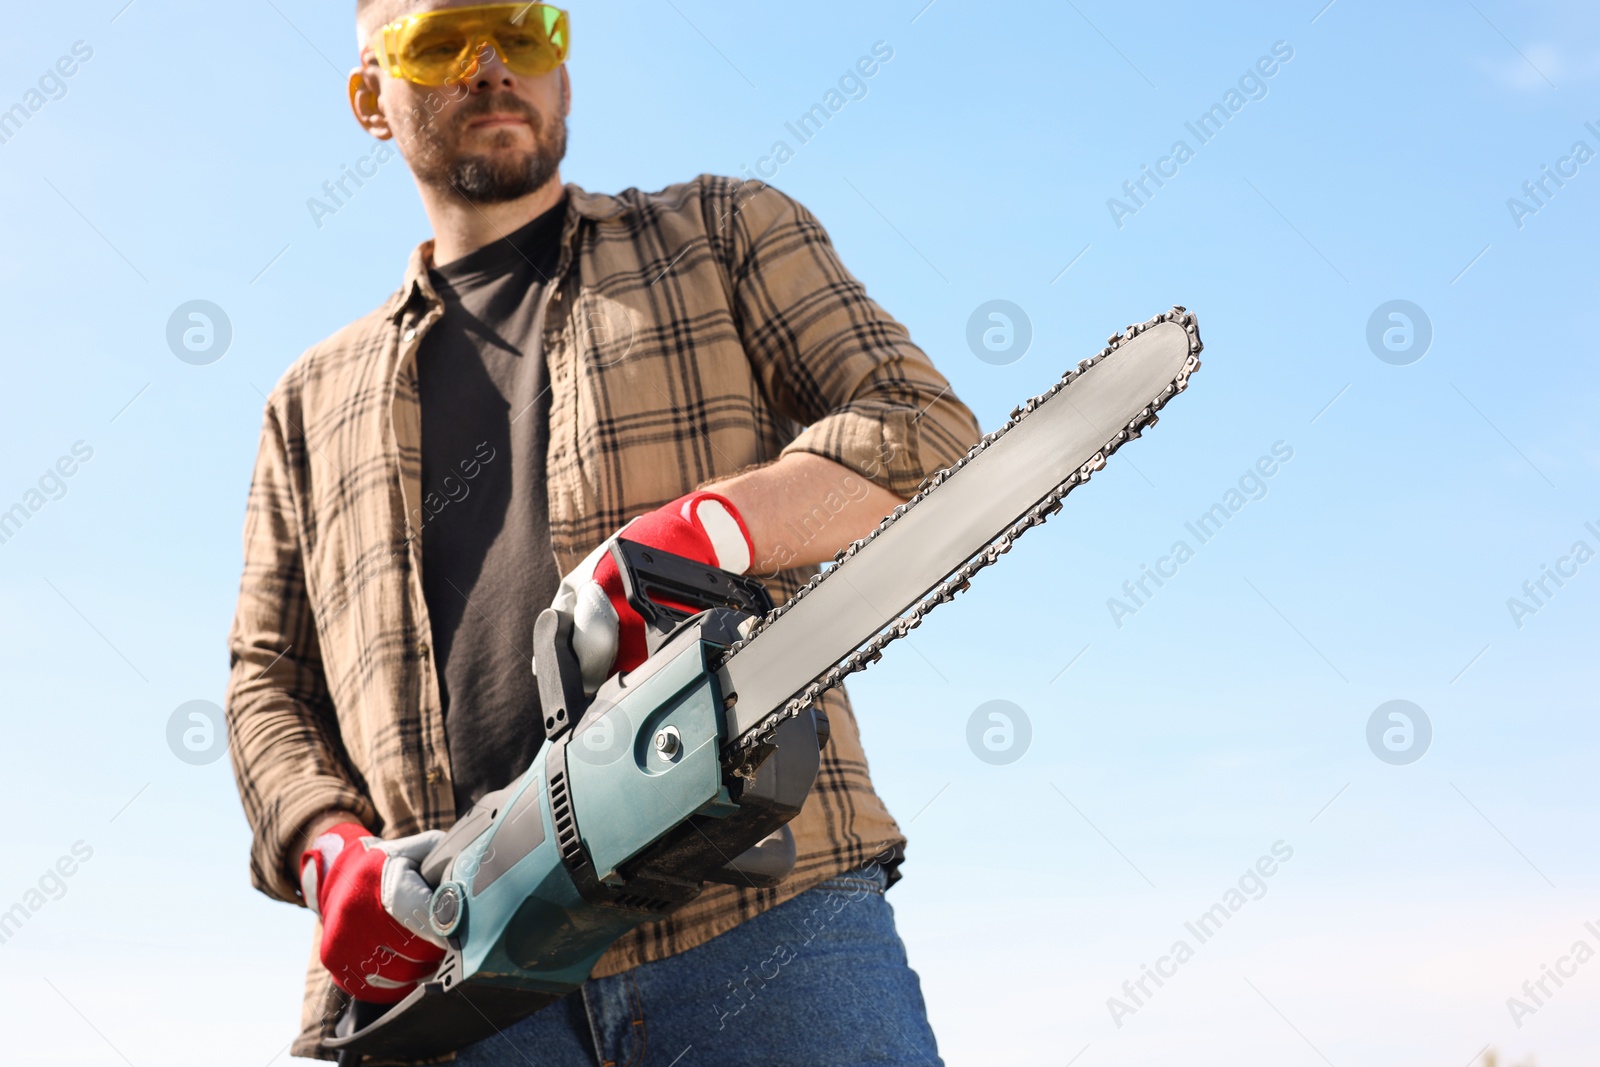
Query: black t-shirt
<point>487,565</point>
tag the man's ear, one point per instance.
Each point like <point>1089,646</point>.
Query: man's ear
<point>566,93</point>
<point>365,106</point>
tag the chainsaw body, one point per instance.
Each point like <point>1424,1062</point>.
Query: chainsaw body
<point>627,811</point>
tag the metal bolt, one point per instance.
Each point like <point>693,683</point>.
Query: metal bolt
<point>668,742</point>
<point>445,908</point>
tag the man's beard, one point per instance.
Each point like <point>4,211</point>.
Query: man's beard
<point>482,179</point>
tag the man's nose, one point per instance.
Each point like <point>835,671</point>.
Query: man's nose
<point>491,72</point>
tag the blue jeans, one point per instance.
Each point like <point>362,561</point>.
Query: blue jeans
<point>818,981</point>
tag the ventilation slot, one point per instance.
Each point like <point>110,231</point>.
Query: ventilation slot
<point>566,825</point>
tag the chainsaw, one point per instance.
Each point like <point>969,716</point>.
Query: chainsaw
<point>687,769</point>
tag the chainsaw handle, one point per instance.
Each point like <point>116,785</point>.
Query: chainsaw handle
<point>667,589</point>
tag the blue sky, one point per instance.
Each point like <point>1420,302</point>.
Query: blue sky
<point>1229,712</point>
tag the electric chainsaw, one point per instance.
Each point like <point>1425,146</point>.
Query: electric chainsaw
<point>688,769</point>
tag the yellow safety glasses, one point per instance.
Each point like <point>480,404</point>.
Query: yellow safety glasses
<point>445,46</point>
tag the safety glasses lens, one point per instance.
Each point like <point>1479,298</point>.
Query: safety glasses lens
<point>435,49</point>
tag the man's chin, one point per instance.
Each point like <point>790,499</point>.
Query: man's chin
<point>497,177</point>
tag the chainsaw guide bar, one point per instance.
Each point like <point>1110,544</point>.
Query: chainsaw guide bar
<point>835,624</point>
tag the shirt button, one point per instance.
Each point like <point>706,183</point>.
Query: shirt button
<point>422,649</point>
<point>433,775</point>
<point>408,335</point>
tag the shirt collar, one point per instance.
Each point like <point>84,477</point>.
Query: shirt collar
<point>598,207</point>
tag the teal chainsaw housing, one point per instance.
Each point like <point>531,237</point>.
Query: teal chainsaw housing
<point>509,897</point>
<point>623,816</point>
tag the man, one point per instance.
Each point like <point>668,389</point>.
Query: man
<point>555,364</point>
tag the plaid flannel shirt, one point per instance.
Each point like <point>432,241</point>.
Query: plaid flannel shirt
<point>689,334</point>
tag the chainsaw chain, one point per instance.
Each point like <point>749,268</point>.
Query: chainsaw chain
<point>958,580</point>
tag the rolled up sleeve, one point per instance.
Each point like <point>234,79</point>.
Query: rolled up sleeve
<point>282,734</point>
<point>827,355</point>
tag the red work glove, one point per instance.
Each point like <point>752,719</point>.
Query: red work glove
<point>373,900</point>
<point>607,634</point>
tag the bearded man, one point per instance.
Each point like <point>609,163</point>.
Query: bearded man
<point>554,364</point>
